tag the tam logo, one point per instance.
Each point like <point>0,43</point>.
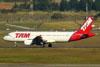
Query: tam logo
<point>22,35</point>
<point>88,22</point>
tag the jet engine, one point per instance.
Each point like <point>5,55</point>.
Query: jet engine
<point>37,40</point>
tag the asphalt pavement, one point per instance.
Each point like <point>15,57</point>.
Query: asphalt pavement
<point>49,65</point>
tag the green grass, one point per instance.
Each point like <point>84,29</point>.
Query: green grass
<point>50,56</point>
<point>68,25</point>
<point>27,24</point>
<point>4,27</point>
<point>52,25</point>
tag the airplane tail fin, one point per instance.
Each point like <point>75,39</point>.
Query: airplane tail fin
<point>84,31</point>
<point>86,27</point>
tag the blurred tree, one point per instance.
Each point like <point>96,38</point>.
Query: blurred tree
<point>96,5</point>
<point>15,6</point>
<point>63,5</point>
<point>82,5</point>
<point>55,6</point>
<point>25,5</point>
<point>90,5</point>
<point>73,4</point>
<point>46,5</point>
<point>43,5</point>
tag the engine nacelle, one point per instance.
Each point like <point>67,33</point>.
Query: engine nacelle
<point>28,42</point>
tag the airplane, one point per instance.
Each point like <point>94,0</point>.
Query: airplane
<point>41,38</point>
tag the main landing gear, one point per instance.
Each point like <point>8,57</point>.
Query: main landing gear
<point>49,45</point>
<point>42,44</point>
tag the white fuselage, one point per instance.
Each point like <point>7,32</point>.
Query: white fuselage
<point>47,36</point>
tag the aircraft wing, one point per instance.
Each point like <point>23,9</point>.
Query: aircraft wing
<point>38,40</point>
<point>48,40</point>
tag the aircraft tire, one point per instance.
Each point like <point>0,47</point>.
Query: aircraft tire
<point>49,45</point>
<point>43,45</point>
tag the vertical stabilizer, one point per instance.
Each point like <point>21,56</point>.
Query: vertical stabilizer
<point>84,31</point>
<point>86,27</point>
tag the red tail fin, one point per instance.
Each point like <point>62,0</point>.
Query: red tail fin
<point>86,27</point>
<point>84,31</point>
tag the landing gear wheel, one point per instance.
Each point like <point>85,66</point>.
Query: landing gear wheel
<point>49,45</point>
<point>42,45</point>
<point>15,44</point>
